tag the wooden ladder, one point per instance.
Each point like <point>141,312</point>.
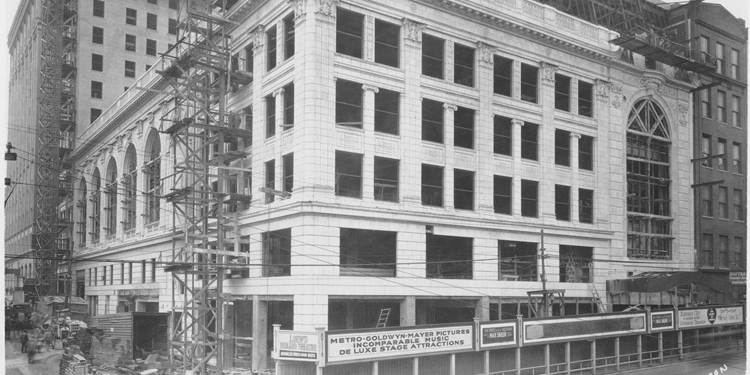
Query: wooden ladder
<point>383,319</point>
<point>599,303</point>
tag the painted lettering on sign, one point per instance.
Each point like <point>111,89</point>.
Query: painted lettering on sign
<point>708,316</point>
<point>296,346</point>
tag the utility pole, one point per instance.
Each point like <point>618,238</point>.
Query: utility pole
<point>544,278</point>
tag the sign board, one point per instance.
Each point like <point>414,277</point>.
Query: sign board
<point>493,335</point>
<point>709,316</point>
<point>295,346</point>
<point>368,345</point>
<point>582,327</point>
<point>662,321</point>
<point>738,277</point>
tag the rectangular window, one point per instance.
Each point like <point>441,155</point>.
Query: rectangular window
<point>386,43</point>
<point>172,27</point>
<point>131,16</point>
<point>271,43</point>
<point>349,32</point>
<point>151,21</point>
<point>96,275</point>
<point>289,36</point>
<point>289,106</point>
<point>143,271</point>
<point>129,69</point>
<point>518,260</point>
<point>503,135</point>
<point>270,179</point>
<point>722,150</point>
<point>288,166</point>
<point>348,174</point>
<point>98,8</point>
<point>122,273</point>
<point>463,65</point>
<point>707,201</point>
<point>386,179</point>
<point>529,141</point>
<point>721,105</point>
<point>585,206</point>
<point>562,92</point>
<point>736,161</point>
<point>720,58</point>
<point>735,73</point>
<point>739,253</point>
<point>576,264</point>
<point>349,103</point>
<point>247,114</point>
<point>704,49</point>
<point>738,213</point>
<point>387,111</point>
<point>585,99</point>
<point>153,270</point>
<point>723,204</point>
<point>270,116</point>
<point>249,59</point>
<point>529,198</point>
<point>130,42</point>
<point>174,4</point>
<point>706,150</point>
<point>367,253</point>
<point>277,253</point>
<point>707,250</point>
<point>150,47</point>
<point>586,153</point>
<point>432,185</point>
<point>97,62</point>
<point>97,35</point>
<point>432,120</point>
<point>705,103</point>
<point>95,113</point>
<point>529,79</point>
<point>736,111</point>
<point>449,257</point>
<point>503,195</point>
<point>463,128</point>
<point>723,251</point>
<point>463,189</point>
<point>104,275</point>
<point>96,89</point>
<point>562,202</point>
<point>433,50</point>
<point>130,273</point>
<point>562,147</point>
<point>503,76</point>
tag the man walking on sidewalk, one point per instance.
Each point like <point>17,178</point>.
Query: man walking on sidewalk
<point>24,340</point>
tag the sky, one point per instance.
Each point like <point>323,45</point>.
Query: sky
<point>737,7</point>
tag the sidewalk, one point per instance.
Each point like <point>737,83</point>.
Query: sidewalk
<point>728,363</point>
<point>46,362</point>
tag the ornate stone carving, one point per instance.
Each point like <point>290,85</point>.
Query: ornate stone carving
<point>602,89</point>
<point>370,88</point>
<point>486,53</point>
<point>616,96</point>
<point>548,72</point>
<point>369,37</point>
<point>327,9</point>
<point>516,122</point>
<point>299,9</point>
<point>412,31</point>
<point>650,83</point>
<point>258,35</point>
<point>683,113</point>
<point>452,107</point>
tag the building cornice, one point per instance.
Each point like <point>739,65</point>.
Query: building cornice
<point>722,32</point>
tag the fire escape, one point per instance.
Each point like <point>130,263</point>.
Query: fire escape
<point>204,141</point>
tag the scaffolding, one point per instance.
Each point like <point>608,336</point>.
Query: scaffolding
<point>204,144</point>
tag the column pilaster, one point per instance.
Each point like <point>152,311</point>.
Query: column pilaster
<point>516,139</point>
<point>448,138</point>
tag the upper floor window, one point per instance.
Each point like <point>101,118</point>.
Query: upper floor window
<point>720,58</point>
<point>706,150</point>
<point>562,92</point>
<point>271,42</point>
<point>152,177</point>
<point>349,32</point>
<point>529,82</point>
<point>586,206</point>
<point>289,106</point>
<point>529,198</point>
<point>97,35</point>
<point>735,111</point>
<point>386,179</point>
<point>98,8</point>
<point>463,61</point>
<point>97,62</point>
<point>503,135</point>
<point>736,158</point>
<point>96,89</point>
<point>705,103</point>
<point>529,141</point>
<point>502,71</point>
<point>270,179</point>
<point>130,188</point>
<point>721,149</point>
<point>562,147</point>
<point>386,43</point>
<point>174,4</point>
<point>585,99</point>
<point>704,43</point>
<point>95,113</point>
<point>151,21</point>
<point>348,103</point>
<point>287,162</point>
<point>387,111</point>
<point>432,120</point>
<point>721,106</point>
<point>503,194</point>
<point>432,56</point>
<point>270,116</point>
<point>463,189</point>
<point>150,47</point>
<point>130,69</point>
<point>131,16</point>
<point>562,202</point>
<point>172,26</point>
<point>735,60</point>
<point>432,185</point>
<point>586,153</point>
<point>130,42</point>
<point>463,128</point>
<point>348,174</point>
<point>738,206</point>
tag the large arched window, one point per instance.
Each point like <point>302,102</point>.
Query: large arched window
<point>81,205</point>
<point>130,183</point>
<point>152,176</point>
<point>111,191</point>
<point>96,205</point>
<point>649,180</point>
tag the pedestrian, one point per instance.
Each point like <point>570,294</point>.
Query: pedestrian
<point>31,351</point>
<point>24,340</point>
<point>49,339</point>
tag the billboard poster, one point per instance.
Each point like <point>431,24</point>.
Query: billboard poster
<point>398,342</point>
<point>709,316</point>
<point>493,335</point>
<point>584,327</point>
<point>295,346</point>
<point>738,277</point>
<point>662,321</point>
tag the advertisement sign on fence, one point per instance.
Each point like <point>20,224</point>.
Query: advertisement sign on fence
<point>568,329</point>
<point>398,342</point>
<point>495,335</point>
<point>295,346</point>
<point>709,316</point>
<point>662,321</point>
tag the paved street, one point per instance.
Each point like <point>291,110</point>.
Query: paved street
<point>16,363</point>
<point>724,364</point>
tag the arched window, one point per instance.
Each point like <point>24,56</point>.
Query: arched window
<point>96,205</point>
<point>111,191</point>
<point>130,183</point>
<point>81,205</point>
<point>152,176</point>
<point>649,182</point>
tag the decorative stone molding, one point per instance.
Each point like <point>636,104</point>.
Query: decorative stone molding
<point>516,122</point>
<point>370,88</point>
<point>327,9</point>
<point>258,35</point>
<point>412,31</point>
<point>548,72</point>
<point>650,83</point>
<point>486,53</point>
<point>369,38</point>
<point>616,96</point>
<point>452,107</point>
<point>602,89</point>
<point>683,113</point>
<point>575,135</point>
<point>278,92</point>
<point>299,9</point>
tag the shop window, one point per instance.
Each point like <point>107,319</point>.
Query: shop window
<point>348,174</point>
<point>277,253</point>
<point>386,43</point>
<point>518,260</point>
<point>367,253</point>
<point>449,257</point>
<point>432,185</point>
<point>433,50</point>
